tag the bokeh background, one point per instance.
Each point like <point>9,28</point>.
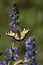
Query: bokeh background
<point>31,15</point>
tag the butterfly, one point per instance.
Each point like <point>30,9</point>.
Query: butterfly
<point>18,37</point>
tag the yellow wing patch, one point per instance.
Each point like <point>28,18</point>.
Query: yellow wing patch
<point>10,33</point>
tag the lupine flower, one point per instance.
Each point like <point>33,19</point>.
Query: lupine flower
<point>29,40</point>
<point>15,57</point>
<point>26,64</point>
<point>15,49</point>
<point>1,63</point>
<point>7,50</point>
<point>4,63</point>
<point>11,14</point>
<point>14,17</point>
<point>7,59</point>
<point>14,29</point>
<point>26,57</point>
<point>33,63</point>
<point>28,53</point>
<point>30,43</point>
<point>33,57</point>
<point>12,22</point>
<point>34,52</point>
<point>29,46</point>
<point>34,42</point>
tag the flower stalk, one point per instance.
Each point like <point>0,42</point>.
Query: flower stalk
<point>16,34</point>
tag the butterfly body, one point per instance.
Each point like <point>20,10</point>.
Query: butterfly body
<point>17,36</point>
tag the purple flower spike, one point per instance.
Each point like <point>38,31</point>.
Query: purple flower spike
<point>33,57</point>
<point>34,42</point>
<point>4,63</point>
<point>29,46</point>
<point>34,52</point>
<point>26,42</point>
<point>7,50</point>
<point>15,57</point>
<point>29,41</point>
<point>14,29</point>
<point>7,59</point>
<point>12,22</point>
<point>11,14</point>
<point>15,49</point>
<point>26,57</point>
<point>26,64</point>
<point>1,63</point>
<point>28,53</point>
<point>33,63</point>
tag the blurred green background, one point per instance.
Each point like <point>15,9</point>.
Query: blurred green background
<point>31,15</point>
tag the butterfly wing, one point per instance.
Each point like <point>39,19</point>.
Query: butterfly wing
<point>24,32</point>
<point>10,33</point>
